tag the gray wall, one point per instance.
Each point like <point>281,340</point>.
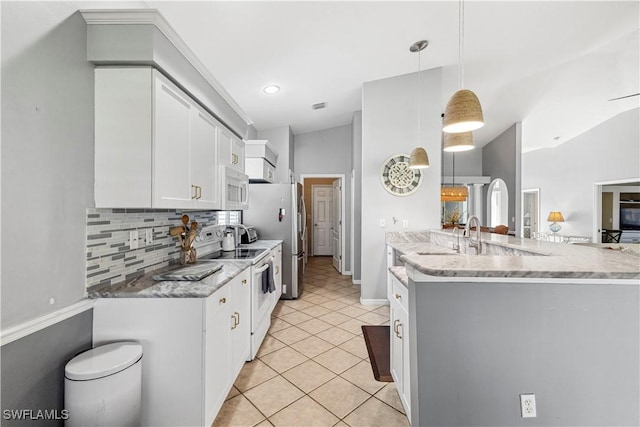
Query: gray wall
<point>33,367</point>
<point>390,110</point>
<point>566,174</point>
<point>501,159</point>
<point>47,185</point>
<point>468,163</point>
<point>47,157</point>
<point>282,139</point>
<point>356,166</point>
<point>325,152</point>
<point>482,344</point>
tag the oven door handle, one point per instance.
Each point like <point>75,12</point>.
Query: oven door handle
<point>264,267</point>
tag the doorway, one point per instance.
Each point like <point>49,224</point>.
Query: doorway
<point>608,198</point>
<point>324,194</point>
<point>530,213</point>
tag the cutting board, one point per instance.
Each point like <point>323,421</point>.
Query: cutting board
<point>193,273</point>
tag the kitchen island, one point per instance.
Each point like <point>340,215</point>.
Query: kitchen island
<point>560,321</point>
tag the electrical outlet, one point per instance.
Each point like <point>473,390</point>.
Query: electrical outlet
<point>133,239</point>
<point>528,405</point>
<point>383,223</point>
<point>148,236</point>
<point>405,223</point>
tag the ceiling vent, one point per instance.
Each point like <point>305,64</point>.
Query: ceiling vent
<point>319,106</point>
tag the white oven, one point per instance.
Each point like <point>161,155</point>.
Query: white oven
<point>261,304</point>
<point>235,189</point>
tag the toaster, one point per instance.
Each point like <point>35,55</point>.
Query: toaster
<point>250,236</point>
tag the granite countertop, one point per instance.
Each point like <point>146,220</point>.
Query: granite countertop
<point>146,287</point>
<point>400,273</point>
<point>522,258</point>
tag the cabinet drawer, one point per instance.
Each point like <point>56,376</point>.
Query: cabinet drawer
<point>399,293</point>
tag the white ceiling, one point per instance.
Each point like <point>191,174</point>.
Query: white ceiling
<point>551,65</point>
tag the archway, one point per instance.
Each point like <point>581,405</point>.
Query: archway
<point>497,203</point>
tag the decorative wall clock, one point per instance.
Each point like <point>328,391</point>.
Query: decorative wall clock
<point>397,178</point>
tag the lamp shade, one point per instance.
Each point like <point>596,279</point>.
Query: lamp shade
<point>463,113</point>
<point>453,194</point>
<point>454,142</point>
<point>419,159</point>
<point>555,217</point>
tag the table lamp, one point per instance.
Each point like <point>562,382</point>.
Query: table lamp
<point>555,218</point>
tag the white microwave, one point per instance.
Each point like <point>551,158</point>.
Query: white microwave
<point>235,189</point>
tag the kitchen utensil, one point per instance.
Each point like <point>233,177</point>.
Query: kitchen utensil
<point>185,221</point>
<point>193,232</point>
<point>178,231</point>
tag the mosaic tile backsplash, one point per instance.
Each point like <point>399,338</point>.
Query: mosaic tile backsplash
<point>111,260</point>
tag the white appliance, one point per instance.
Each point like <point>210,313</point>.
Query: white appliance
<point>260,161</point>
<point>279,213</point>
<point>228,242</point>
<point>235,189</point>
<point>261,305</point>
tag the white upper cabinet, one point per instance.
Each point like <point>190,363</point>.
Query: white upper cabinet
<point>230,149</point>
<point>155,146</point>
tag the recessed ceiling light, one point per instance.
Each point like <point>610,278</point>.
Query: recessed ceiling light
<point>271,89</point>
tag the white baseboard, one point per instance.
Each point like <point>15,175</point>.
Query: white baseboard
<point>347,273</point>
<point>26,328</point>
<point>356,282</point>
<point>374,301</point>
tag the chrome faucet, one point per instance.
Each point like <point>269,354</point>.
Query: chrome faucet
<point>456,233</point>
<point>467,231</point>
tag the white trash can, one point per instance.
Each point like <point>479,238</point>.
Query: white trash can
<point>103,386</point>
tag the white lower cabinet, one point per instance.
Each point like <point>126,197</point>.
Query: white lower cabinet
<point>193,349</point>
<point>399,346</point>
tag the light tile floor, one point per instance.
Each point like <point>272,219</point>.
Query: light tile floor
<point>313,367</point>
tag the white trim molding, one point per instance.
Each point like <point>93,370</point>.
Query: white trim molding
<point>364,301</point>
<point>14,333</point>
<point>356,282</point>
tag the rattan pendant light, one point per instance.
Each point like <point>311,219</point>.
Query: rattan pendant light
<point>456,142</point>
<point>419,158</point>
<point>463,112</point>
<point>451,193</point>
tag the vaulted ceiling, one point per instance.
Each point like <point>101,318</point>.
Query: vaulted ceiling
<point>551,65</point>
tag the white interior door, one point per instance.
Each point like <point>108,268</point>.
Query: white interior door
<point>336,226</point>
<point>322,211</point>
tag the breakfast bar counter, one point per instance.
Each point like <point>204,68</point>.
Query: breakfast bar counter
<point>510,257</point>
<point>475,332</point>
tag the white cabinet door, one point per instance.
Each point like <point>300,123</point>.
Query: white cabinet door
<point>230,150</point>
<point>396,347</point>
<point>241,321</point>
<point>204,159</point>
<point>217,352</point>
<point>399,323</point>
<point>171,151</point>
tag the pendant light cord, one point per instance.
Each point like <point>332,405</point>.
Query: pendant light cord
<point>419,100</point>
<point>461,44</point>
<point>453,171</point>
